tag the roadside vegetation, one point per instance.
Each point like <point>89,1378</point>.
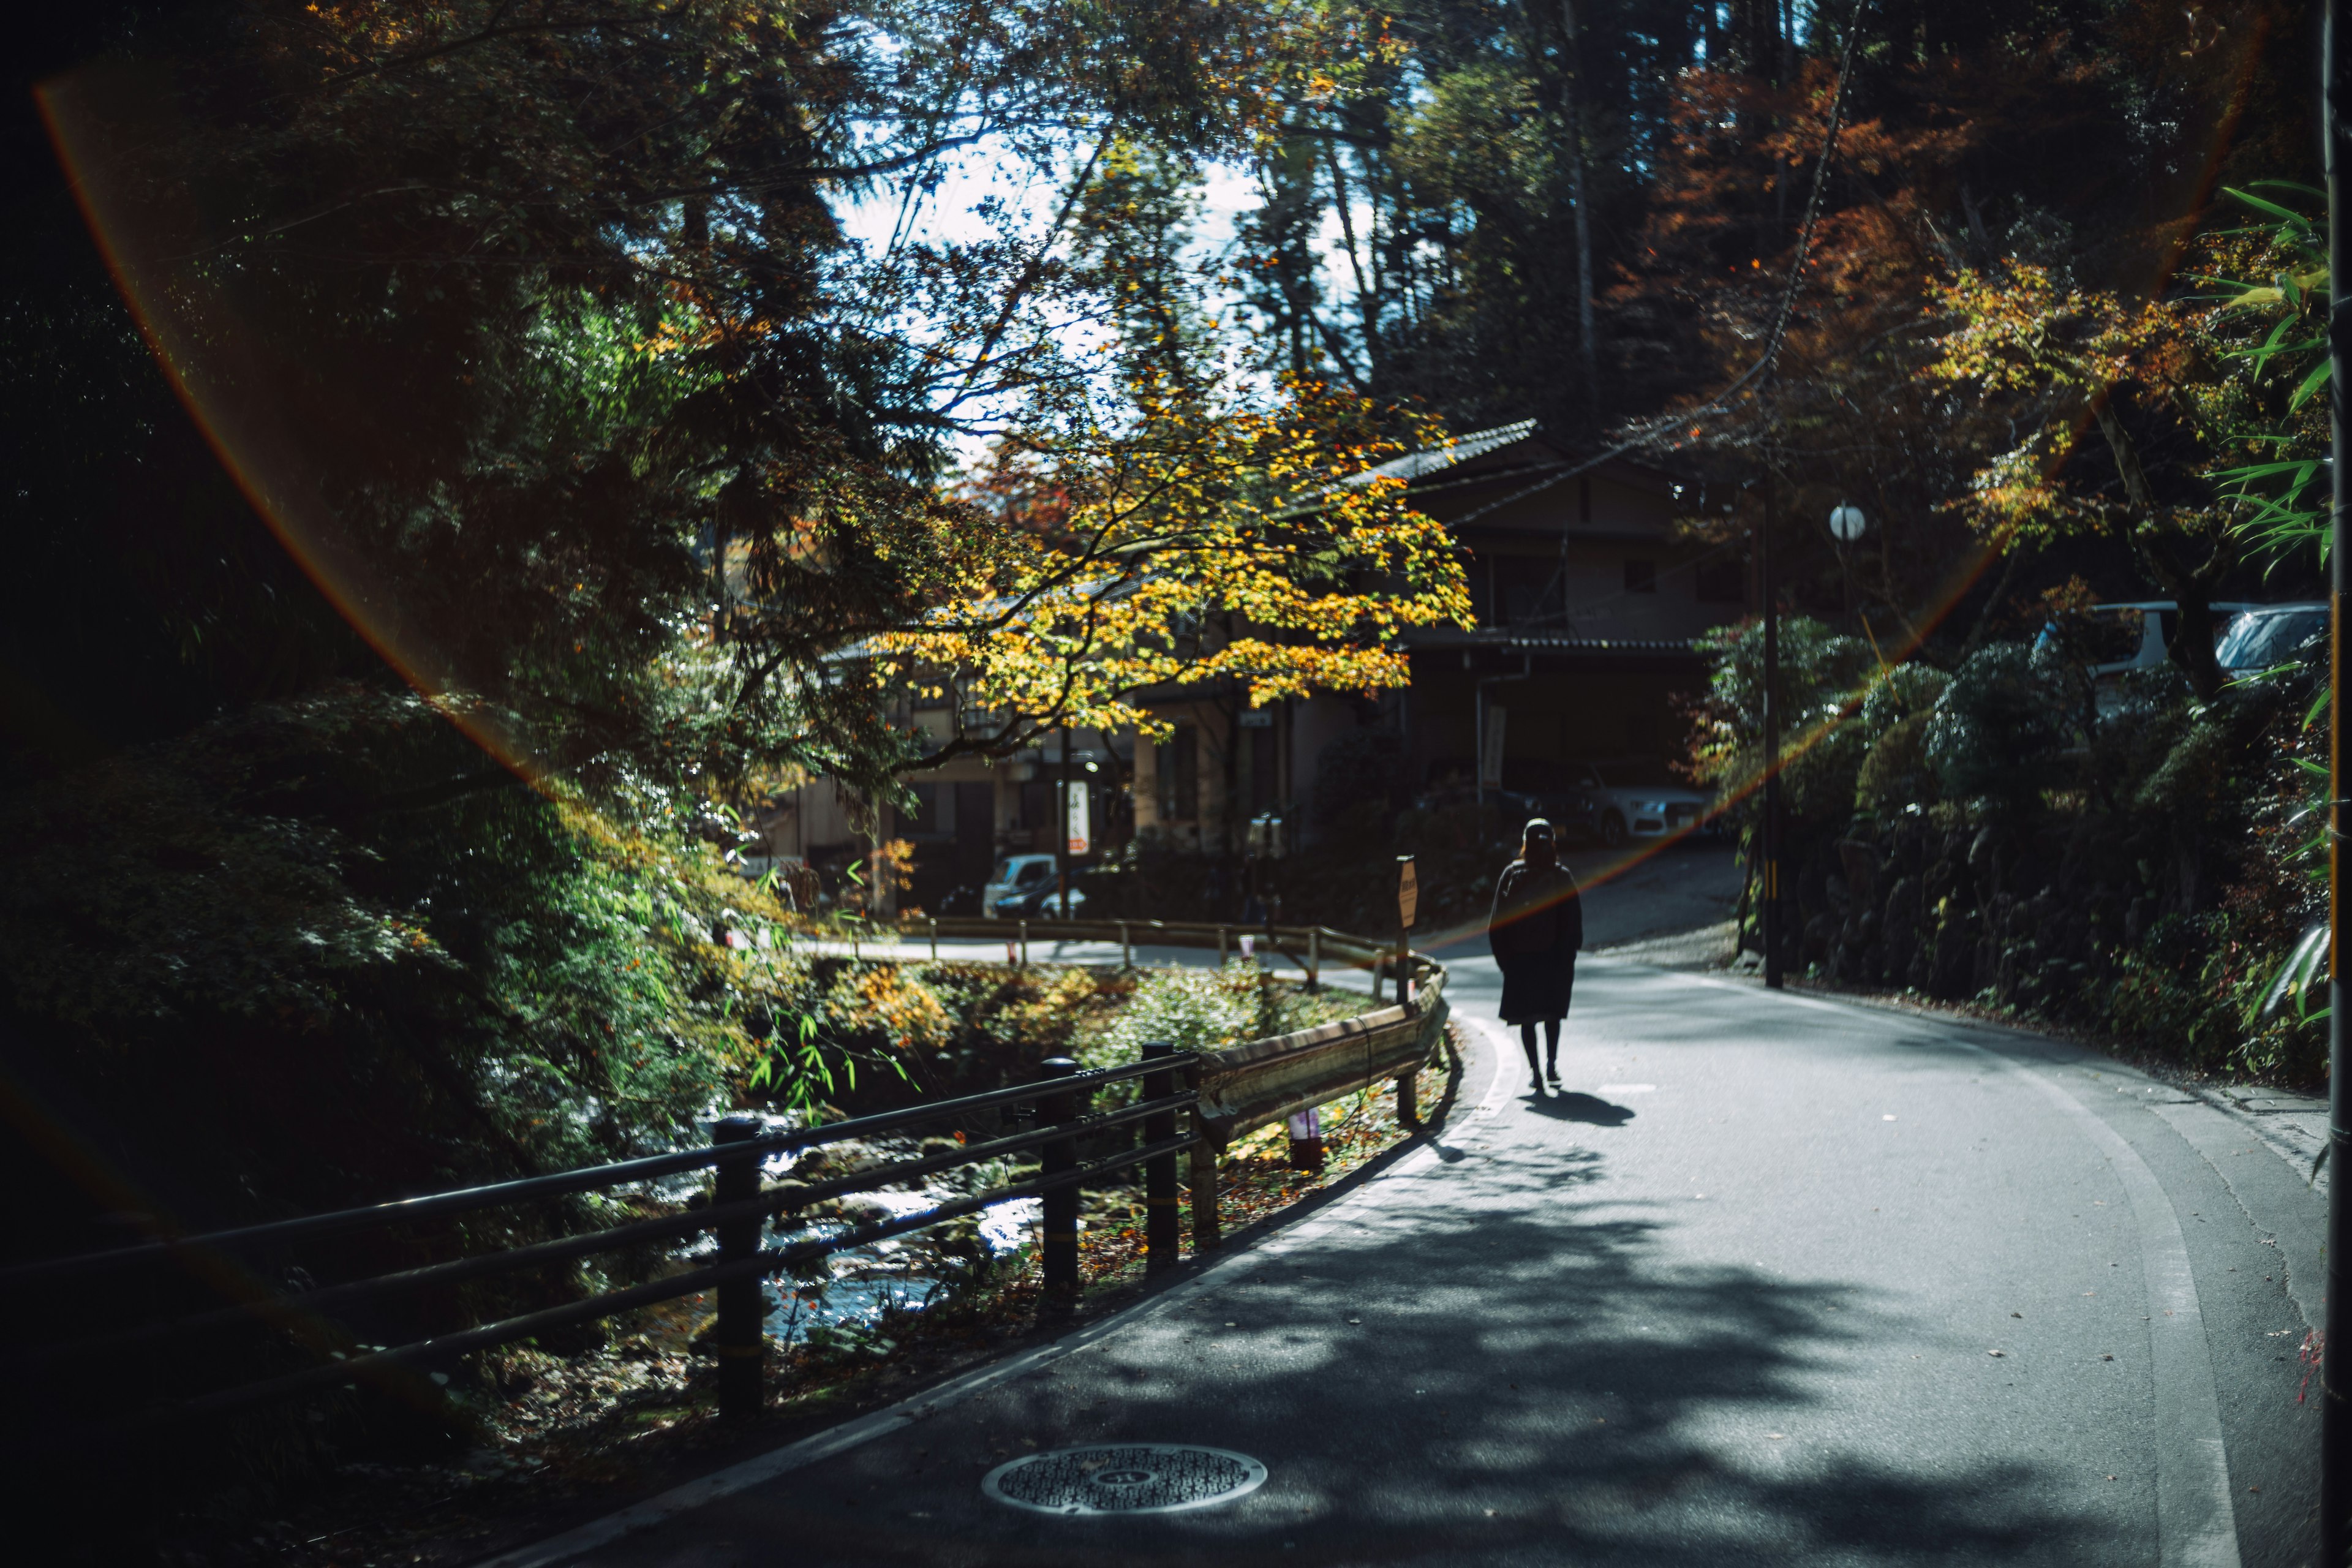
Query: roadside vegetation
<point>433,530</point>
<point>2140,855</point>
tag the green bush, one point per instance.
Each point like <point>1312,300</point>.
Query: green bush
<point>1905,691</point>
<point>1998,729</point>
<point>1896,772</point>
<point>1194,1009</point>
<point>1822,675</point>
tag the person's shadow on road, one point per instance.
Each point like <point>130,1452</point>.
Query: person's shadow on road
<point>1566,1105</point>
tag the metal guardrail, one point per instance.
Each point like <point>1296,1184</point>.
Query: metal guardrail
<point>1226,1093</point>
<point>1311,947</point>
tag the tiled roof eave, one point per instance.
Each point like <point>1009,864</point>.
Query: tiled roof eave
<point>1540,642</point>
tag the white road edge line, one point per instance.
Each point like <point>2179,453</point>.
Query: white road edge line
<point>661,1508</point>
<point>2196,1517</point>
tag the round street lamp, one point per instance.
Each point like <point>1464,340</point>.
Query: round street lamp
<point>1846,523</point>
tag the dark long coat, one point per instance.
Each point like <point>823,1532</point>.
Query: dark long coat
<point>1536,928</point>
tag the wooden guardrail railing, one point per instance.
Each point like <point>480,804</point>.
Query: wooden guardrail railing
<point>1225,1093</point>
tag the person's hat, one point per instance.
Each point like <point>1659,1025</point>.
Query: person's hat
<point>1539,828</point>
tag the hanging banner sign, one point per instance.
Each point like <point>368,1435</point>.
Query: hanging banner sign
<point>1076,823</point>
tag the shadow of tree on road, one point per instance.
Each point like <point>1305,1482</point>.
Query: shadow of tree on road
<point>1514,1371</point>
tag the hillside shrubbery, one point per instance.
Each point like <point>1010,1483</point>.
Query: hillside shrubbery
<point>2126,863</point>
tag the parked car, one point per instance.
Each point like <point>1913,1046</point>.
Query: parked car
<point>1022,888</point>
<point>1040,903</point>
<point>1016,876</point>
<point>2112,638</point>
<point>1541,787</point>
<point>2266,635</point>
<point>1570,814</point>
<point>963,898</point>
<point>1625,810</point>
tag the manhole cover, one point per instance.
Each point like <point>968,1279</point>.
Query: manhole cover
<point>1136,1477</point>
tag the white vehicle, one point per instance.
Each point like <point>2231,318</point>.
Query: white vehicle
<point>1622,811</point>
<point>1016,877</point>
<point>2135,636</point>
<point>2267,636</point>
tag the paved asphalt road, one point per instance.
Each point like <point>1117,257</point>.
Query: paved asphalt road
<point>1630,896</point>
<point>1777,1279</point>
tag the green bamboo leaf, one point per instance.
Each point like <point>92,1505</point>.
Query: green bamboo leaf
<point>2287,286</point>
<point>2264,470</point>
<point>2293,976</point>
<point>2259,204</point>
<point>2307,765</point>
<point>2318,377</point>
<point>2266,350</point>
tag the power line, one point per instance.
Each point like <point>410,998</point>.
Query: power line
<point>1646,436</point>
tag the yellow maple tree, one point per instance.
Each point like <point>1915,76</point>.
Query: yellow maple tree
<point>1259,548</point>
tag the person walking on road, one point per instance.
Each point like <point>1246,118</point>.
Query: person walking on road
<point>1536,928</point>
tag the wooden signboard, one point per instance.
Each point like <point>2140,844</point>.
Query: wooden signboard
<point>1408,891</point>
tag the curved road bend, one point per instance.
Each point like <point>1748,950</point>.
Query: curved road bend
<point>1778,1280</point>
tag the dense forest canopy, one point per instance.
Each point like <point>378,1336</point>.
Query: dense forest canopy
<point>437,303</point>
<point>408,394</point>
<point>1589,212</point>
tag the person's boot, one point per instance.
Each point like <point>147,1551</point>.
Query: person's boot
<point>1535,1079</point>
<point>1552,1072</point>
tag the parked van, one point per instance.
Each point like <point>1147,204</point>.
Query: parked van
<point>2118,638</point>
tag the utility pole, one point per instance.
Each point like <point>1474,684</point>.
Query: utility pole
<point>2334,1381</point>
<point>1062,834</point>
<point>1770,592</point>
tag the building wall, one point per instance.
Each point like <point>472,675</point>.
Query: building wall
<point>1315,723</point>
<point>1160,807</point>
<point>1605,711</point>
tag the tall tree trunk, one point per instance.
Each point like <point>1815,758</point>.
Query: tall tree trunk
<point>2191,587</point>
<point>1571,75</point>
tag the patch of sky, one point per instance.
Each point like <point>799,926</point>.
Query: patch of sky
<point>991,192</point>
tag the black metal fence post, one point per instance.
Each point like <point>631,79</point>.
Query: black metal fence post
<point>1408,1086</point>
<point>1061,1204</point>
<point>740,1337</point>
<point>1162,1225</point>
<point>1203,1158</point>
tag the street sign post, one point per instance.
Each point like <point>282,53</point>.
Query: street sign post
<point>1407,905</point>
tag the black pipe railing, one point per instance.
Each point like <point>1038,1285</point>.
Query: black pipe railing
<point>56,1271</point>
<point>737,1212</point>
